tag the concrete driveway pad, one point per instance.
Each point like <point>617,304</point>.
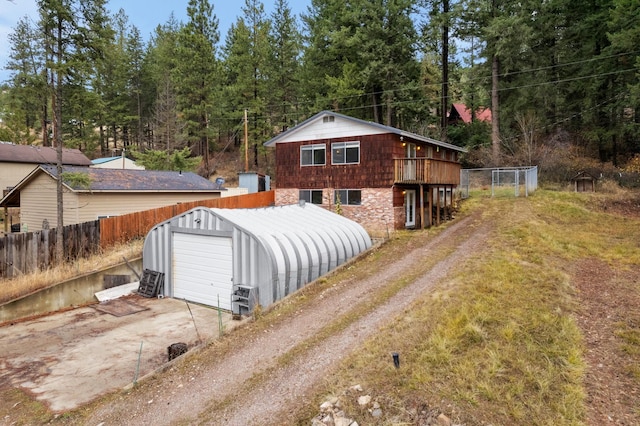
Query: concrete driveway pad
<point>67,359</point>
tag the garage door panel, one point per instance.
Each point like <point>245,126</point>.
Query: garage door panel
<point>203,269</point>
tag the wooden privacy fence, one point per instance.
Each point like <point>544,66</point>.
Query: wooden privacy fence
<point>120,229</point>
<point>25,252</point>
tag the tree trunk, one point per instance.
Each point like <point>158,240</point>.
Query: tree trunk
<point>444,101</point>
<point>57,136</point>
<point>495,110</point>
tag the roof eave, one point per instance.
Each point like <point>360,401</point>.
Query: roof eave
<point>388,129</point>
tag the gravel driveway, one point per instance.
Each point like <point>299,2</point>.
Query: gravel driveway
<point>243,380</point>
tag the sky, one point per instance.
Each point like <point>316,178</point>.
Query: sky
<point>146,15</point>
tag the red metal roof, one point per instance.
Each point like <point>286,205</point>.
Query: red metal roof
<point>463,113</point>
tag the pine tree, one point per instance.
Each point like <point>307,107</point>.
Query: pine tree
<point>284,71</point>
<point>27,96</point>
<point>195,76</point>
<point>246,59</point>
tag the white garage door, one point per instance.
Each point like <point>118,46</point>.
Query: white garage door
<point>202,269</point>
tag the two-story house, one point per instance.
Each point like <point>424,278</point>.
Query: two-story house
<point>379,176</point>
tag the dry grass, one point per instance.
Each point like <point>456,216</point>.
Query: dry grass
<point>25,284</point>
<point>498,342</point>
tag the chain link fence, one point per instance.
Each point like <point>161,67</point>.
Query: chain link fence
<point>507,181</point>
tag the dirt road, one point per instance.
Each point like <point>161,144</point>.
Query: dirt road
<point>244,380</point>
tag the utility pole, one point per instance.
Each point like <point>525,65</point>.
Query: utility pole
<point>246,142</point>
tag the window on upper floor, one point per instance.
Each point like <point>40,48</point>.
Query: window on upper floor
<point>313,196</point>
<point>345,153</point>
<point>313,155</point>
<point>350,197</point>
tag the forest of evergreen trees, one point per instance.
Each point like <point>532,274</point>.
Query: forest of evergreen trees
<point>560,76</point>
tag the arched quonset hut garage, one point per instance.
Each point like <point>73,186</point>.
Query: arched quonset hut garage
<point>236,258</point>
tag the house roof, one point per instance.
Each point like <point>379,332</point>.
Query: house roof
<point>367,127</point>
<point>12,153</point>
<point>584,175</point>
<point>135,180</point>
<point>464,113</point>
<point>105,160</point>
<point>119,180</point>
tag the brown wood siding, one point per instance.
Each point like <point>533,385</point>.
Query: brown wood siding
<point>377,167</point>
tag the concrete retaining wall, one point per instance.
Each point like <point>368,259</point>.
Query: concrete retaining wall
<point>75,292</point>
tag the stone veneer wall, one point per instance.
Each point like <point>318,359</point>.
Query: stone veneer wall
<point>376,214</point>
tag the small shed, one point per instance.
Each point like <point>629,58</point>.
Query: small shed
<point>237,258</point>
<point>584,182</point>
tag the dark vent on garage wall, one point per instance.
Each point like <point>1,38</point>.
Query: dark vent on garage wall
<point>328,119</point>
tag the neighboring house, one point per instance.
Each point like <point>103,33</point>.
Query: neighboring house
<point>379,176</point>
<point>120,162</point>
<point>460,113</point>
<point>17,161</point>
<point>90,194</point>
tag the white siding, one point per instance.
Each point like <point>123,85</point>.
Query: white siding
<point>116,204</point>
<point>12,173</point>
<point>232,192</point>
<point>38,202</point>
<point>118,164</point>
<point>339,128</point>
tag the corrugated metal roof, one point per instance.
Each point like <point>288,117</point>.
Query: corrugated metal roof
<point>12,153</point>
<point>276,250</point>
<point>135,180</point>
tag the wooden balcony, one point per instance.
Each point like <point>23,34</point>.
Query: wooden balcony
<point>426,171</point>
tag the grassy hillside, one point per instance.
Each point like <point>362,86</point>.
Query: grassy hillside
<point>499,343</point>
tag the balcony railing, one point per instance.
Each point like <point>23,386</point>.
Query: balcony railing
<point>427,171</point>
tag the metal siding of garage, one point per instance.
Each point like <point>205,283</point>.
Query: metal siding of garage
<point>276,250</point>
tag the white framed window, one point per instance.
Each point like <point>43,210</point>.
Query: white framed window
<point>348,197</point>
<point>313,155</point>
<point>345,153</point>
<point>313,196</point>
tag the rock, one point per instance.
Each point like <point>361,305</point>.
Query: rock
<point>364,400</point>
<point>176,349</point>
<point>316,422</point>
<point>356,388</point>
<point>328,420</point>
<point>443,420</point>
<point>343,421</point>
<point>376,412</point>
<point>326,406</point>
